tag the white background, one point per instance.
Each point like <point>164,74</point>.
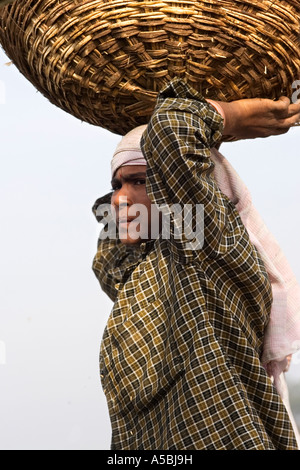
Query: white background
<point>52,311</point>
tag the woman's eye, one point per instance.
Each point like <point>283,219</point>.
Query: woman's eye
<point>136,182</point>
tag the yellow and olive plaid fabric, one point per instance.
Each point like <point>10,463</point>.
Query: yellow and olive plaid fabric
<point>180,356</point>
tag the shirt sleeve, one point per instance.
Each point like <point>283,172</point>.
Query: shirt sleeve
<point>177,146</point>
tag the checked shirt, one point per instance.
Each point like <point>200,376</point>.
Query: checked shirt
<point>180,356</point>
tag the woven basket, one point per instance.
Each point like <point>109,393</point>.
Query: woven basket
<point>104,61</point>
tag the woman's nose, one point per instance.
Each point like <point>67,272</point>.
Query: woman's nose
<point>121,198</point>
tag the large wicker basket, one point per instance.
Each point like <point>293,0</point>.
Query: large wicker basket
<point>104,61</point>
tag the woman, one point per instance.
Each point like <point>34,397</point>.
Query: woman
<point>181,354</point>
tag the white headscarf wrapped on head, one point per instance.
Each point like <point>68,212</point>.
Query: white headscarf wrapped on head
<point>129,152</point>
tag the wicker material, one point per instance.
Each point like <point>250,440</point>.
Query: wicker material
<point>103,61</point>
<point>5,2</point>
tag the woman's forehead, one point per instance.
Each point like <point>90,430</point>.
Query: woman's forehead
<point>130,170</point>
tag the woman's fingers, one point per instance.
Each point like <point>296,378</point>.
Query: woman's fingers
<point>287,109</point>
<point>294,109</point>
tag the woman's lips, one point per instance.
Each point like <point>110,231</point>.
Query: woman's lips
<point>125,220</point>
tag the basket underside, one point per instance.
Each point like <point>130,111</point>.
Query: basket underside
<point>105,61</point>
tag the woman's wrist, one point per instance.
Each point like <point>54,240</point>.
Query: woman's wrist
<point>230,115</point>
<point>218,107</point>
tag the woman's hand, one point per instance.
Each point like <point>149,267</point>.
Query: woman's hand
<point>251,118</point>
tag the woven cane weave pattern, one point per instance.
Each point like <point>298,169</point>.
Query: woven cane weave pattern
<point>104,61</point>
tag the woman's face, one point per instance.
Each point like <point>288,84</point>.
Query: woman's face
<point>131,205</point>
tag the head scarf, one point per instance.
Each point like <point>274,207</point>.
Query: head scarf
<point>129,152</point>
